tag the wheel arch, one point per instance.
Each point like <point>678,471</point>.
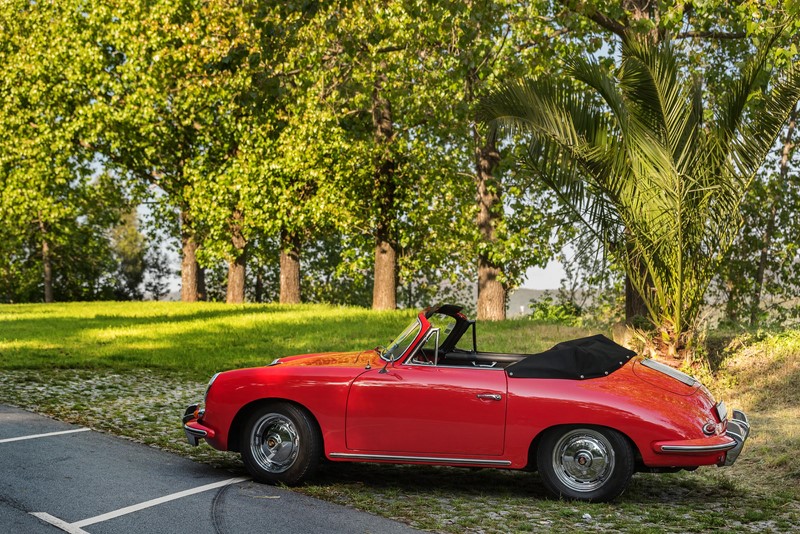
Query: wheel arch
<point>534,446</point>
<point>241,417</point>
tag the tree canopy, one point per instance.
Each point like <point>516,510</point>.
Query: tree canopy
<point>329,150</point>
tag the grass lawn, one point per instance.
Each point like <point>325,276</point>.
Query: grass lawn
<point>197,340</point>
<point>131,368</point>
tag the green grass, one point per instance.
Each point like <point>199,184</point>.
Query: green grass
<point>200,339</point>
<point>196,339</point>
<point>130,368</point>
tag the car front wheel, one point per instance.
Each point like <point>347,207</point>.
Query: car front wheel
<point>281,444</point>
<point>585,463</point>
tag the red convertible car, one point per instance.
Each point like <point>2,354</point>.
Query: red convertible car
<point>586,414</point>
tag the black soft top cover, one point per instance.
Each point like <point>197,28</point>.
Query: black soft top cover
<point>579,359</point>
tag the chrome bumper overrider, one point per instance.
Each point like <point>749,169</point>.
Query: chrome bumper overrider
<point>193,435</point>
<point>738,429</point>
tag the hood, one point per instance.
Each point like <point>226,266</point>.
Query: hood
<point>332,359</point>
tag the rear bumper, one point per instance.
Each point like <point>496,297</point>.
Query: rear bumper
<point>727,446</point>
<point>738,430</point>
<point>193,428</point>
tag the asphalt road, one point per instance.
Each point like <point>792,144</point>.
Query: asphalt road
<point>77,480</point>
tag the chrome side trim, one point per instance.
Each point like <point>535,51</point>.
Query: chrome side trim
<point>424,459</point>
<point>698,448</point>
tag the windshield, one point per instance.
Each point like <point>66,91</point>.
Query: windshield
<point>401,343</point>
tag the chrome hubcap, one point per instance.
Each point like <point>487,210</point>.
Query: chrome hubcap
<point>583,460</point>
<point>274,443</point>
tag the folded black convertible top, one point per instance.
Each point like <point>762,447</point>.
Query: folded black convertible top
<point>579,359</point>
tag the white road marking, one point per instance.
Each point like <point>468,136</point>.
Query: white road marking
<point>156,502</point>
<point>76,528</point>
<point>59,523</point>
<point>35,436</point>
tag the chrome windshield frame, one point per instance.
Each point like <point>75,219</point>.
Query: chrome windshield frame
<point>415,327</point>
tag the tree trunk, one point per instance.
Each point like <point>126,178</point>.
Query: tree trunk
<point>189,267</point>
<point>634,303</point>
<point>731,295</point>
<point>290,268</point>
<point>238,265</point>
<point>384,292</point>
<point>491,291</point>
<point>47,264</point>
<point>769,231</point>
<point>201,283</point>
<point>236,279</point>
<point>259,290</point>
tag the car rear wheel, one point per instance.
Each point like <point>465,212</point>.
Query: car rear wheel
<point>585,463</point>
<point>281,444</point>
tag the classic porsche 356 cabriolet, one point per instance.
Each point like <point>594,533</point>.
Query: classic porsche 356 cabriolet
<point>586,414</point>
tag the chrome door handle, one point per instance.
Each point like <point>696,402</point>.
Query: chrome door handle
<point>489,396</point>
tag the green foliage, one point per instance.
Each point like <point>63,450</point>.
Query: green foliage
<point>251,120</point>
<point>157,272</point>
<point>548,310</point>
<point>51,199</point>
<point>129,252</point>
<point>749,294</point>
<point>658,183</point>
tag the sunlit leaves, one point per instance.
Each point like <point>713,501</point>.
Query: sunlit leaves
<point>661,187</point>
<point>51,194</point>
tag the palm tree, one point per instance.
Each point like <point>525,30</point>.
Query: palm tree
<point>645,169</point>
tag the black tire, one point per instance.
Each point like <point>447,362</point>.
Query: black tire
<point>585,463</point>
<point>280,443</point>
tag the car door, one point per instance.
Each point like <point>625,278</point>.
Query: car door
<point>428,409</point>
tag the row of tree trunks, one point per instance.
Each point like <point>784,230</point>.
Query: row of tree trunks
<point>385,267</point>
<point>193,280</point>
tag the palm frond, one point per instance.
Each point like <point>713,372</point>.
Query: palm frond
<point>658,187</point>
